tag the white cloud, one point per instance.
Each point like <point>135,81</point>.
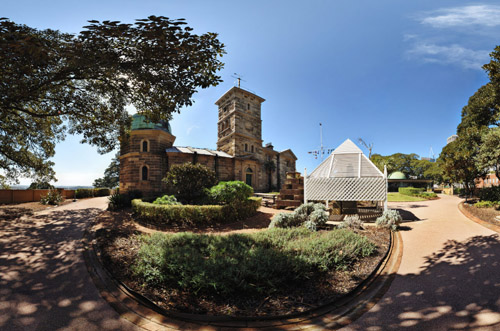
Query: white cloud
<point>483,15</point>
<point>191,128</point>
<point>453,54</point>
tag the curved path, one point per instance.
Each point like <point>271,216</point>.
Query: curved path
<point>449,277</point>
<point>44,283</point>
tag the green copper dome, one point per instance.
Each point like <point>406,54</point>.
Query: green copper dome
<point>139,122</point>
<point>397,175</point>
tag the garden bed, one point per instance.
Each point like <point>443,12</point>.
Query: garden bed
<point>119,241</point>
<point>484,214</point>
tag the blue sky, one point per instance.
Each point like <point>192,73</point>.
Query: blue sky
<point>395,73</point>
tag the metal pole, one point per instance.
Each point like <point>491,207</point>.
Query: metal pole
<point>386,187</point>
<point>305,177</point>
<point>321,140</point>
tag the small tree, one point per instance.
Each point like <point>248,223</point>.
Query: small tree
<point>188,181</point>
<point>270,167</point>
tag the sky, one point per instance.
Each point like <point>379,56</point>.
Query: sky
<point>394,73</point>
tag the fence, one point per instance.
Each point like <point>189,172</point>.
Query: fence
<point>20,196</point>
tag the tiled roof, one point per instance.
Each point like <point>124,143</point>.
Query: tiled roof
<point>199,151</point>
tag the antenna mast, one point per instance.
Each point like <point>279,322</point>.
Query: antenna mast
<point>321,152</point>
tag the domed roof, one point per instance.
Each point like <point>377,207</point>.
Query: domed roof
<point>397,175</point>
<point>139,122</point>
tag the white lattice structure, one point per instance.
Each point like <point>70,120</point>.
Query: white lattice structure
<point>346,175</point>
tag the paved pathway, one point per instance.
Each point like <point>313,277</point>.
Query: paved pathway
<point>449,276</point>
<point>44,283</point>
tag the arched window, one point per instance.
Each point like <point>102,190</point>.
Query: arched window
<point>252,148</point>
<point>144,173</point>
<point>246,147</point>
<point>144,146</point>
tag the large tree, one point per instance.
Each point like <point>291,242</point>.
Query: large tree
<point>458,158</point>
<point>53,83</point>
<point>488,157</point>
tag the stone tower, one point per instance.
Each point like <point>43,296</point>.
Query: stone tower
<point>142,156</point>
<point>240,123</point>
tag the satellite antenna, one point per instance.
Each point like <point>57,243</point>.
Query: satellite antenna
<point>238,77</point>
<point>321,152</point>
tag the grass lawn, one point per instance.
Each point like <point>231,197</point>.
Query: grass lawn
<point>398,197</point>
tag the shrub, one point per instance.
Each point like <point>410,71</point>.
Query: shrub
<point>257,264</point>
<point>53,197</point>
<point>490,193</point>
<point>102,192</point>
<point>427,195</point>
<point>285,220</point>
<point>230,192</point>
<point>166,200</point>
<point>487,204</point>
<point>84,193</point>
<point>351,222</point>
<point>119,201</point>
<point>310,215</point>
<point>390,219</point>
<point>188,181</point>
<point>410,190</point>
<point>192,215</point>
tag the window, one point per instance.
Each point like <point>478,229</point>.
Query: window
<point>252,148</point>
<point>246,147</point>
<point>249,176</point>
<point>248,106</point>
<point>144,146</point>
<point>144,173</point>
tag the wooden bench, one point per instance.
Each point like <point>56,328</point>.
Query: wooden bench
<point>267,199</point>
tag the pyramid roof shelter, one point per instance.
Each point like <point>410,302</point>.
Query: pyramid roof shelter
<point>346,175</point>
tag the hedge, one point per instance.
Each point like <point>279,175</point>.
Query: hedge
<point>412,191</point>
<point>162,215</point>
<point>92,192</point>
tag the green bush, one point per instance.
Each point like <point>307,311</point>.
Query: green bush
<point>102,192</point>
<point>490,193</point>
<point>311,215</point>
<point>193,215</point>
<point>166,200</point>
<point>53,197</point>
<point>226,193</point>
<point>84,193</point>
<point>248,265</point>
<point>412,191</point>
<point>351,222</point>
<point>487,204</point>
<point>390,219</point>
<point>427,195</point>
<point>119,201</point>
<point>188,181</point>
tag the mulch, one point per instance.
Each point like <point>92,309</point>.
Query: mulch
<point>115,240</point>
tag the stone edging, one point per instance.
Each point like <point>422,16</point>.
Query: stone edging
<point>473,218</point>
<point>142,312</point>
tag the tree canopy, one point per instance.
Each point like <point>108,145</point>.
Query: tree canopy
<point>111,177</point>
<point>477,151</point>
<point>53,83</point>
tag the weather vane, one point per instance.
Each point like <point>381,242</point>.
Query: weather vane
<point>238,77</point>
